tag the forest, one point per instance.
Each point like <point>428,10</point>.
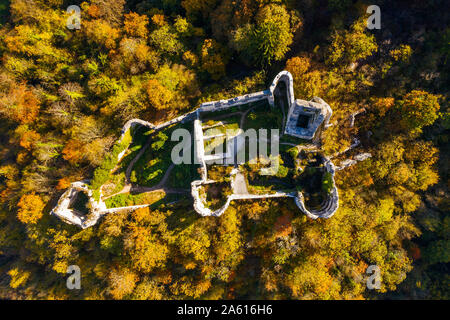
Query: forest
<point>65,94</point>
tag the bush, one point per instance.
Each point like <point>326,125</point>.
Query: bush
<point>282,171</point>
<point>293,152</point>
<point>101,174</point>
<point>327,182</point>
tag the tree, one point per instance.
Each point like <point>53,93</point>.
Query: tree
<point>135,25</point>
<point>231,14</point>
<point>18,277</point>
<point>298,66</point>
<point>73,151</point>
<point>348,47</point>
<point>229,245</point>
<point>184,27</point>
<point>31,208</point>
<point>312,278</point>
<point>171,87</point>
<point>135,56</point>
<point>101,32</point>
<point>268,39</point>
<point>121,281</point>
<point>418,109</point>
<point>194,241</point>
<point>213,58</point>
<point>307,83</point>
<point>29,139</point>
<point>149,289</point>
<point>158,95</point>
<point>402,53</point>
<point>111,12</point>
<point>165,39</point>
<point>147,252</point>
<point>198,8</point>
<point>19,104</point>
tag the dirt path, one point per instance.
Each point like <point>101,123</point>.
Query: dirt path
<point>133,162</point>
<point>239,185</point>
<point>139,189</point>
<point>244,115</point>
<point>159,187</point>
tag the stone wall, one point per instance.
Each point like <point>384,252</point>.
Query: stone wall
<point>349,162</point>
<point>221,105</point>
<point>63,211</point>
<point>286,77</point>
<point>331,204</point>
<point>326,122</point>
<point>99,208</point>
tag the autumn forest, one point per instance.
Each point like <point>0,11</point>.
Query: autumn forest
<point>65,94</point>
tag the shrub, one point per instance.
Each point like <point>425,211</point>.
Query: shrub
<point>293,152</point>
<point>327,182</point>
<point>101,174</point>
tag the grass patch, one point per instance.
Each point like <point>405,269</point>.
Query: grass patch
<point>294,140</point>
<point>102,173</point>
<point>182,175</point>
<point>231,122</point>
<point>264,117</point>
<point>327,182</point>
<point>114,184</point>
<point>218,143</point>
<point>152,166</point>
<point>128,199</point>
<point>140,137</point>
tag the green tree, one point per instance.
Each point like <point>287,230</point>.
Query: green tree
<point>267,40</point>
<point>418,109</point>
<point>348,47</point>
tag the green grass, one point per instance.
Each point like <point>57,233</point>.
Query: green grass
<point>140,137</point>
<point>182,175</point>
<point>327,182</point>
<point>260,189</point>
<point>205,116</point>
<point>264,117</point>
<point>153,164</point>
<point>103,173</point>
<point>114,184</point>
<point>214,143</point>
<point>230,123</point>
<point>294,140</point>
<point>128,199</point>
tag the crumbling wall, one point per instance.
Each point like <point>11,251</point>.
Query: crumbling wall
<point>98,208</point>
<point>286,77</point>
<point>62,210</point>
<point>221,105</point>
<point>331,204</point>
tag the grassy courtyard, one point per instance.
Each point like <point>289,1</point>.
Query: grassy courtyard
<point>151,167</point>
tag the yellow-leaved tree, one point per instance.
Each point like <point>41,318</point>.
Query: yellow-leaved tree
<point>31,208</point>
